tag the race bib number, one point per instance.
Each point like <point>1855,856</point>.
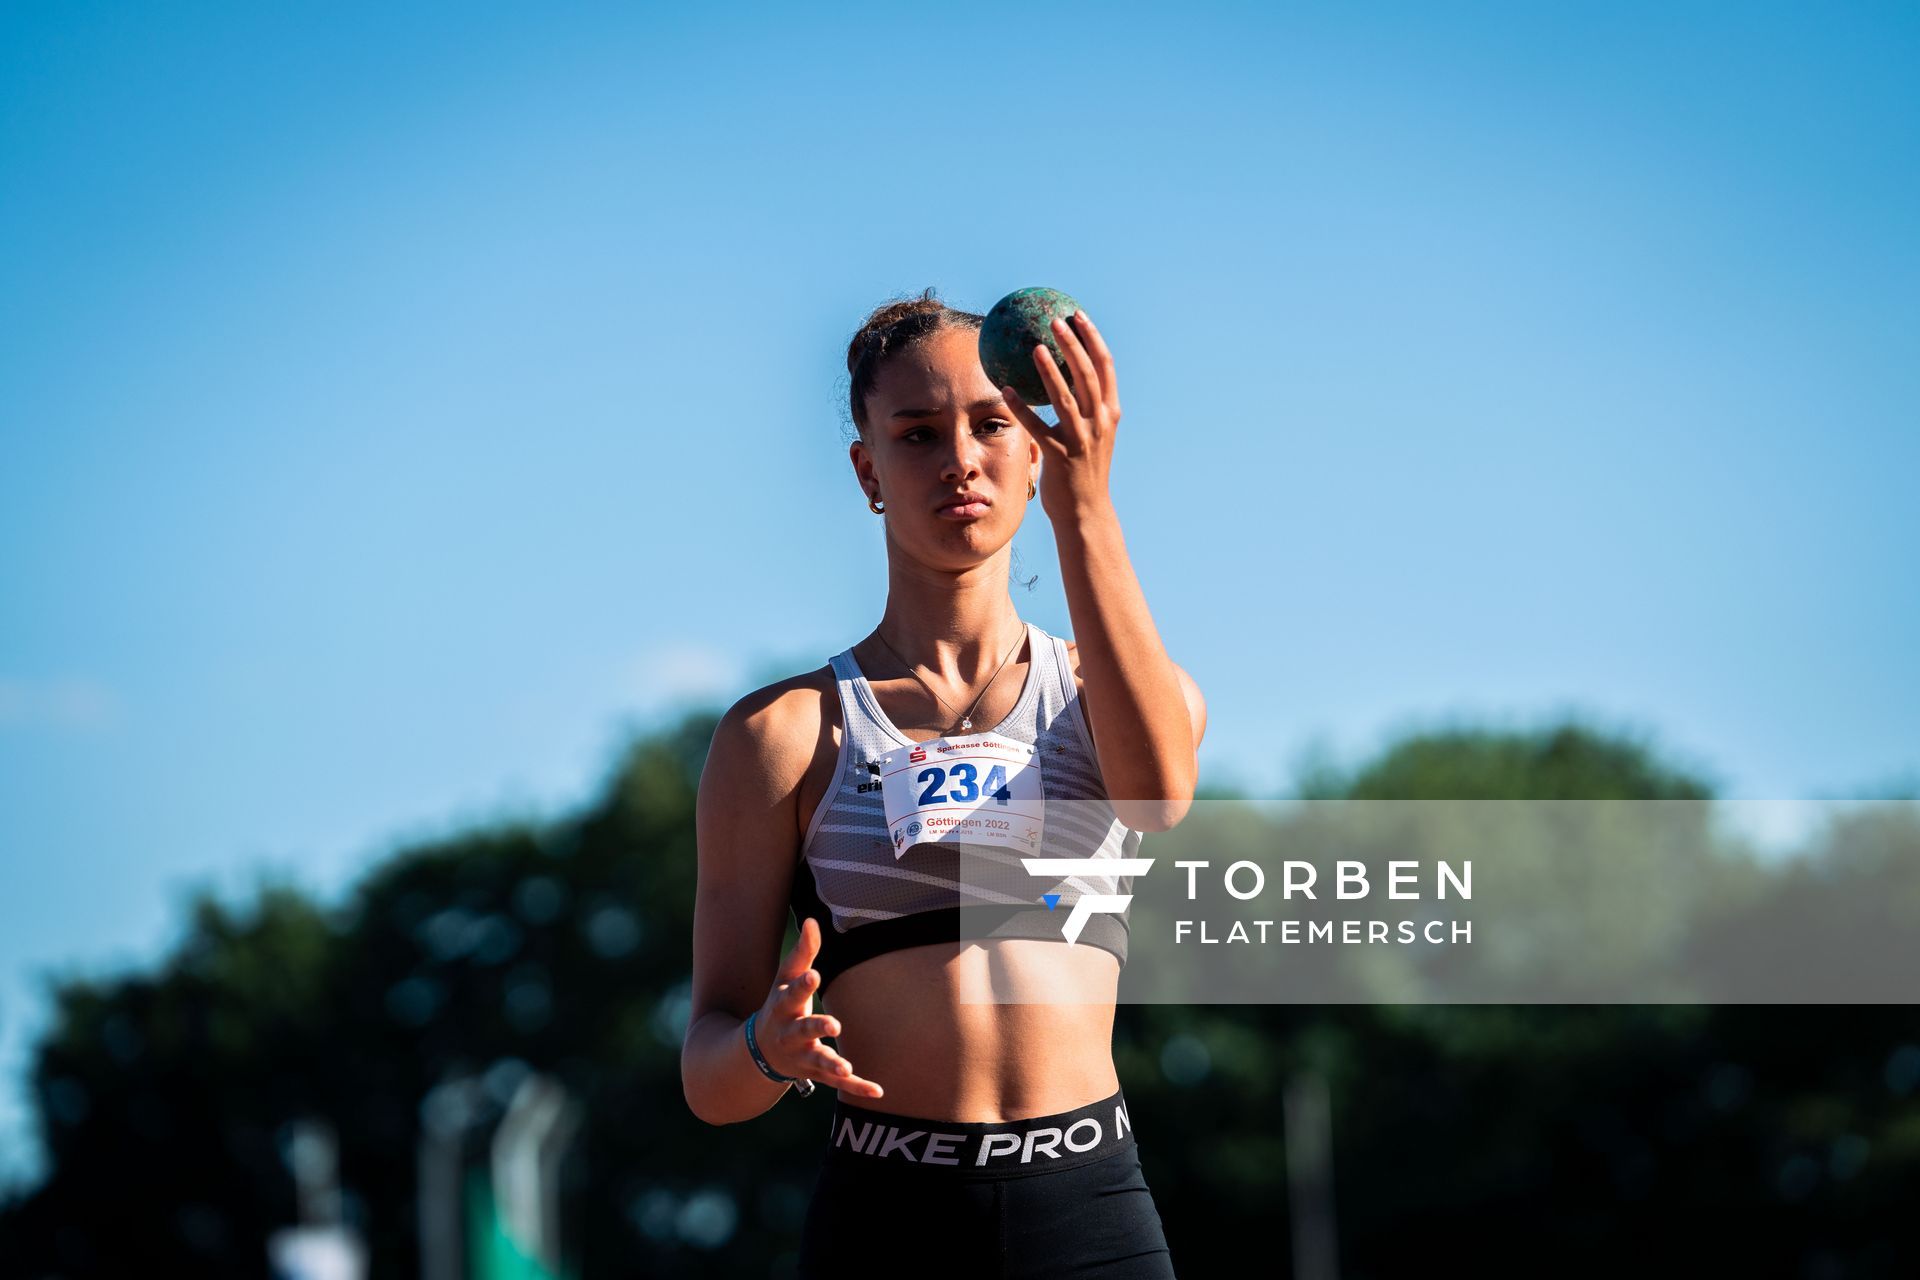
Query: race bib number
<point>978,789</point>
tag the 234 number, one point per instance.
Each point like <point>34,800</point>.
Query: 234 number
<point>965,788</point>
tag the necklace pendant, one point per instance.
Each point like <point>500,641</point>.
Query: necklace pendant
<point>965,724</point>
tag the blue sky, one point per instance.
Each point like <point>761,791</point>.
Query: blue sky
<point>398,408</point>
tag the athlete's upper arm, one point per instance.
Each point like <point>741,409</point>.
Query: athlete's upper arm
<point>748,844</point>
<point>1196,705</point>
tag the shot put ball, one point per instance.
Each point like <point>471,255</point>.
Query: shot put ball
<point>1015,324</point>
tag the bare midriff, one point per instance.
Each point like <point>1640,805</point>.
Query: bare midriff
<point>980,1031</point>
<point>997,1029</point>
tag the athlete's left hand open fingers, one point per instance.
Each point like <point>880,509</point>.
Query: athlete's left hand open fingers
<point>828,1062</point>
<point>837,1071</point>
<point>792,997</point>
<point>818,1024</point>
<point>855,1085</point>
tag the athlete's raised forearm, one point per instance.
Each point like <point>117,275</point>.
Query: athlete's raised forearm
<point>1133,693</point>
<point>1142,729</point>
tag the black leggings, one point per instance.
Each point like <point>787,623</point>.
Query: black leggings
<point>1048,1196</point>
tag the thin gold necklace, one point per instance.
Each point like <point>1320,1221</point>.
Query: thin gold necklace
<point>966,720</point>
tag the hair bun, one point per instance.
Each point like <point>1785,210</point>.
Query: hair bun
<point>893,327</point>
<point>874,333</point>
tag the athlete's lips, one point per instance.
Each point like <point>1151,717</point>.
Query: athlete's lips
<point>965,503</point>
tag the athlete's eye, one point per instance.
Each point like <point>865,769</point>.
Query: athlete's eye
<point>993,427</point>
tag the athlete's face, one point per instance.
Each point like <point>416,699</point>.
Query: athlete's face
<point>937,427</point>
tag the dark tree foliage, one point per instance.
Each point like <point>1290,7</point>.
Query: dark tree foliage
<point>1484,1139</point>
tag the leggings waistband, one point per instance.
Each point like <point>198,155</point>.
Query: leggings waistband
<point>879,1140</point>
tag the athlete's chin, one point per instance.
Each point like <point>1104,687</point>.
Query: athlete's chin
<point>976,540</point>
<point>990,531</point>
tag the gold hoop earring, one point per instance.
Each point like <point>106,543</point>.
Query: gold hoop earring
<point>878,509</point>
<point>1031,490</point>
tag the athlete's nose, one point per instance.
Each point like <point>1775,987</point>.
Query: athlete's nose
<point>963,460</point>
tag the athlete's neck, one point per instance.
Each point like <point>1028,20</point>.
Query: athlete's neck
<point>957,626</point>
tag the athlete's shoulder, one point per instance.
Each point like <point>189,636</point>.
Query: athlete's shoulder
<point>775,731</point>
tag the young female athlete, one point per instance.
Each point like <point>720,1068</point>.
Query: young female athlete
<point>979,1137</point>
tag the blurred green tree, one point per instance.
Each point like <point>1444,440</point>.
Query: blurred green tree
<point>1490,1138</point>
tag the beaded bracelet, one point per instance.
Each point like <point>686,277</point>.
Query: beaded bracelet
<point>801,1087</point>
